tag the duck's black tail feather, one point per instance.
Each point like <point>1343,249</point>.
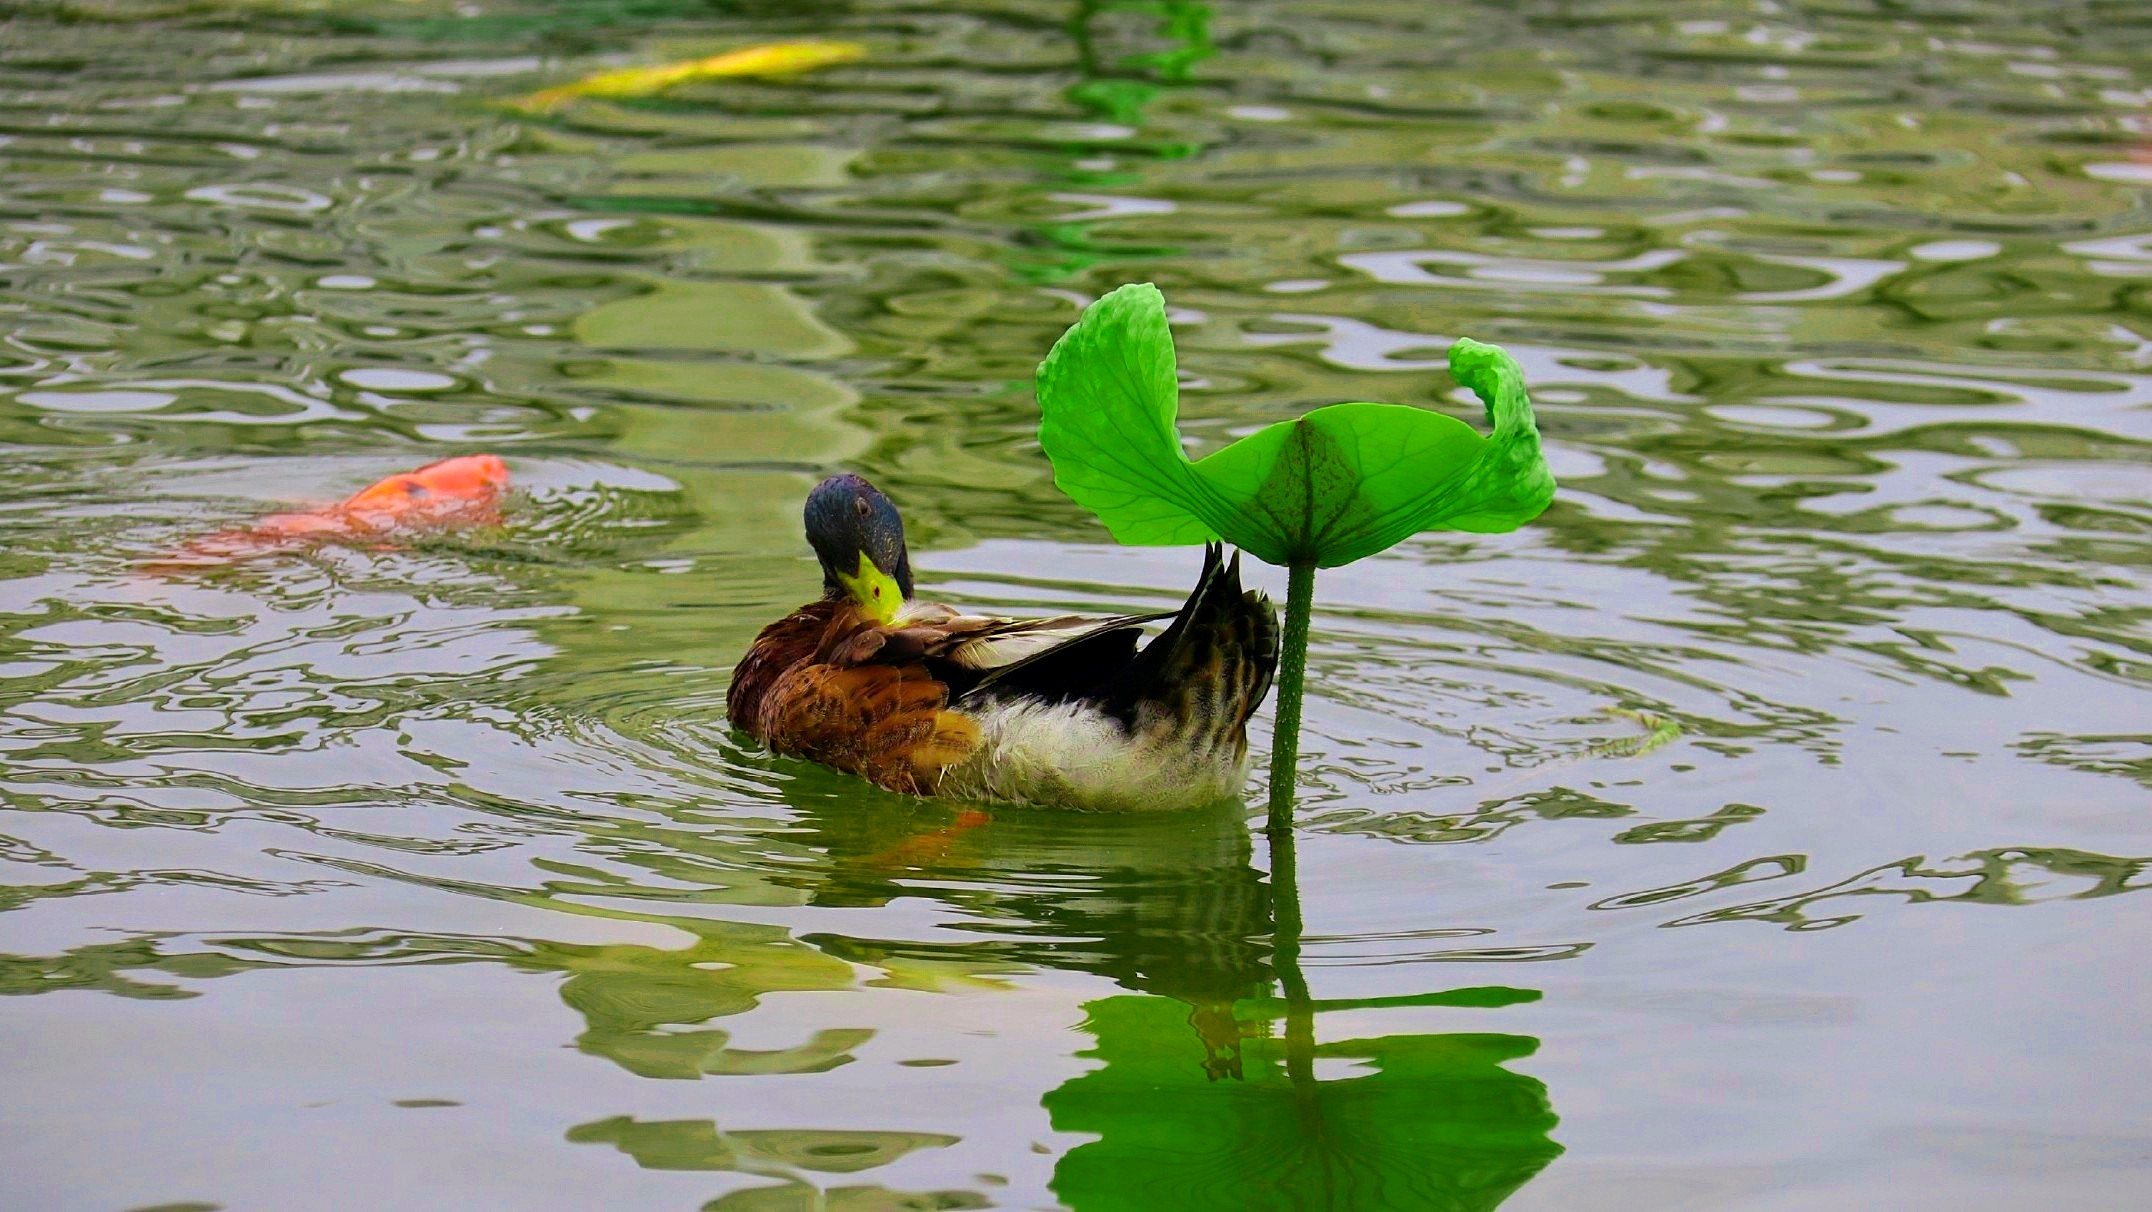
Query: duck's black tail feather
<point>1209,670</point>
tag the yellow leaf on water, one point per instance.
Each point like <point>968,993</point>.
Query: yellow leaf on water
<point>769,59</point>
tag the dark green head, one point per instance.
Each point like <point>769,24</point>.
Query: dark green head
<point>858,536</point>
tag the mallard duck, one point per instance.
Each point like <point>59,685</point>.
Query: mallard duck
<point>924,699</point>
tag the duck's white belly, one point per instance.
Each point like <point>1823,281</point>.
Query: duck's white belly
<point>1070,756</point>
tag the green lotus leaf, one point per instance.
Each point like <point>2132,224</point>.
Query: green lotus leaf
<point>1336,485</point>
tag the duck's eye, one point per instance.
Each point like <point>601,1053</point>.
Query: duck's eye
<point>860,504</point>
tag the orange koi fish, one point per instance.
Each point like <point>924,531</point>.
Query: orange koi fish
<point>465,490</point>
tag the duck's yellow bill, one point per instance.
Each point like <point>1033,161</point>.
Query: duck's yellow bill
<point>875,592</point>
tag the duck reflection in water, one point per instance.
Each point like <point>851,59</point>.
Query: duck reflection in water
<point>1203,1089</point>
<point>1205,1094</point>
<point>1161,903</point>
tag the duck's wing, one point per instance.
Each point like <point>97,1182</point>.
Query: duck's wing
<point>1011,644</point>
<point>1052,660</point>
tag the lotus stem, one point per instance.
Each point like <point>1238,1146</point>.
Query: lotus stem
<point>1292,670</point>
<point>1285,961</point>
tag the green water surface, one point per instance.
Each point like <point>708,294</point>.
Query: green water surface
<point>1751,832</point>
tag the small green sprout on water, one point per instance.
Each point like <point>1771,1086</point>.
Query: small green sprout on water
<point>1322,490</point>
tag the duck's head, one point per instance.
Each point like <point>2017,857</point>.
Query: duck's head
<point>859,538</point>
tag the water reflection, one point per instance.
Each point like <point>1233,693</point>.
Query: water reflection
<point>1426,1121</point>
<point>1212,1092</point>
<point>786,1154</point>
<point>646,1007</point>
<point>1213,1087</point>
<point>1168,905</point>
<point>1422,1121</point>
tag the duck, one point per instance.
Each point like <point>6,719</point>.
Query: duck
<point>1070,712</point>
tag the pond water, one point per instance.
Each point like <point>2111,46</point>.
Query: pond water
<point>429,875</point>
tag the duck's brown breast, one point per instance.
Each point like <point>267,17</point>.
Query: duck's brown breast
<point>886,722</point>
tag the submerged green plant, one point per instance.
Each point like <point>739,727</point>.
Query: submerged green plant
<point>1333,486</point>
